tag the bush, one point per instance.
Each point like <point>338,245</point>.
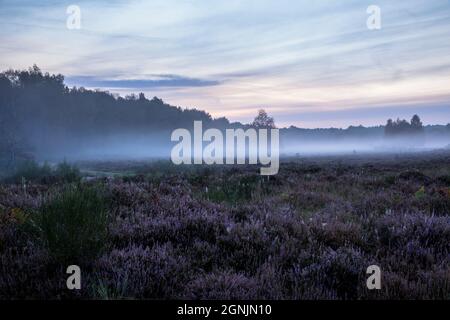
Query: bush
<point>222,285</point>
<point>238,190</point>
<point>31,171</point>
<point>140,272</point>
<point>67,173</point>
<point>74,224</point>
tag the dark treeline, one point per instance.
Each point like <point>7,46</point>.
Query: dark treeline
<point>41,117</point>
<point>403,127</point>
<point>39,113</point>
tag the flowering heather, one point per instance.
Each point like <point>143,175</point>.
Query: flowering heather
<point>309,232</point>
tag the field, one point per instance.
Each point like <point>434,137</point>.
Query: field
<point>149,229</point>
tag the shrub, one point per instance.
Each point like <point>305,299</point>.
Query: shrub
<point>164,242</point>
<point>138,272</point>
<point>67,173</point>
<point>238,190</point>
<point>74,224</point>
<point>31,171</point>
<point>222,286</point>
<point>335,273</point>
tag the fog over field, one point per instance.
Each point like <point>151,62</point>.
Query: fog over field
<point>43,118</point>
<point>326,142</point>
<point>122,147</point>
<point>374,144</point>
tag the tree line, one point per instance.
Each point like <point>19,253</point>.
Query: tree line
<point>403,127</point>
<point>39,113</point>
<point>40,116</point>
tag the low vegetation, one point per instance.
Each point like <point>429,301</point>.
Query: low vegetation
<point>33,172</point>
<point>226,232</point>
<point>73,224</point>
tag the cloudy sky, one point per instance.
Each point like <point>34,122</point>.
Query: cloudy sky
<point>308,63</point>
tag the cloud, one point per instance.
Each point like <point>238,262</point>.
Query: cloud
<point>157,81</point>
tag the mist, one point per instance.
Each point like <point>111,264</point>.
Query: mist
<point>157,145</point>
<point>42,119</point>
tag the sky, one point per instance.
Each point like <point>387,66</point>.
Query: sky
<point>307,63</point>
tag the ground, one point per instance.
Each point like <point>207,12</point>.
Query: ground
<point>149,229</point>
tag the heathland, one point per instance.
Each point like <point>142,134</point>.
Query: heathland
<point>150,229</point>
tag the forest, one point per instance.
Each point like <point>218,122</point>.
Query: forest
<point>43,119</point>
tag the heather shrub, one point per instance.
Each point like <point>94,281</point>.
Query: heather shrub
<point>376,204</point>
<point>222,286</point>
<point>284,225</point>
<point>334,273</point>
<point>26,273</point>
<point>138,272</point>
<point>13,227</point>
<point>426,285</point>
<point>414,176</point>
<point>245,246</point>
<point>241,213</point>
<point>167,221</point>
<point>270,281</point>
<point>26,270</point>
<point>129,194</point>
<point>306,202</point>
<point>308,233</point>
<point>395,231</point>
<point>390,179</point>
<point>438,204</point>
<point>203,255</point>
<point>444,179</point>
<point>336,234</point>
<point>25,198</point>
<point>73,224</point>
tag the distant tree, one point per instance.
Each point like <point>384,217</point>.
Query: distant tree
<point>389,128</point>
<point>262,120</point>
<point>12,142</point>
<point>416,124</point>
<point>405,128</point>
<point>222,122</point>
<point>131,97</point>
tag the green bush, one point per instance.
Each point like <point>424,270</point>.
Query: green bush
<point>236,190</point>
<point>67,173</point>
<point>31,171</point>
<point>74,224</point>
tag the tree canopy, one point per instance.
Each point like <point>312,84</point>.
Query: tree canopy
<point>403,127</point>
<point>262,120</point>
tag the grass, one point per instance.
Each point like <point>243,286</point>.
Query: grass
<point>73,224</point>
